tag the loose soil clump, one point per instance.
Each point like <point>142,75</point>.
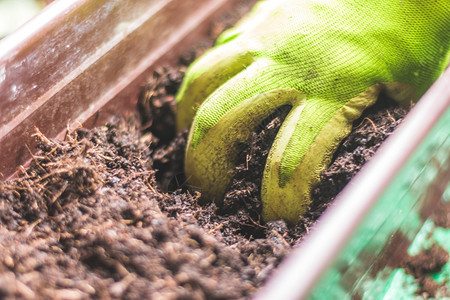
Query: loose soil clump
<point>85,221</point>
<point>424,264</point>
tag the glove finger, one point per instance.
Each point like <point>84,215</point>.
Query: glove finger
<point>210,164</point>
<point>303,148</point>
<point>262,76</point>
<point>228,58</point>
<point>206,74</point>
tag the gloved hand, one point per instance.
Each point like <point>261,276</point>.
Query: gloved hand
<point>327,59</point>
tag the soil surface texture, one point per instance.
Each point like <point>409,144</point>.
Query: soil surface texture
<point>107,213</point>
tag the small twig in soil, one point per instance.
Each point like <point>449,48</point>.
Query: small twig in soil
<point>216,228</point>
<point>29,228</point>
<point>257,224</point>
<point>280,237</point>
<point>42,137</point>
<point>247,159</point>
<point>59,193</point>
<point>390,116</point>
<point>150,187</point>
<point>371,122</point>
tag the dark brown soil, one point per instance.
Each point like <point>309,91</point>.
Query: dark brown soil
<point>370,131</point>
<point>441,214</point>
<point>85,221</point>
<point>106,213</point>
<point>422,265</point>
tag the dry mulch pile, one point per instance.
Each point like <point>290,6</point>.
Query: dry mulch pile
<point>85,221</point>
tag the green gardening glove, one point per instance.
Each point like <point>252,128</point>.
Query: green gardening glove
<point>328,60</point>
